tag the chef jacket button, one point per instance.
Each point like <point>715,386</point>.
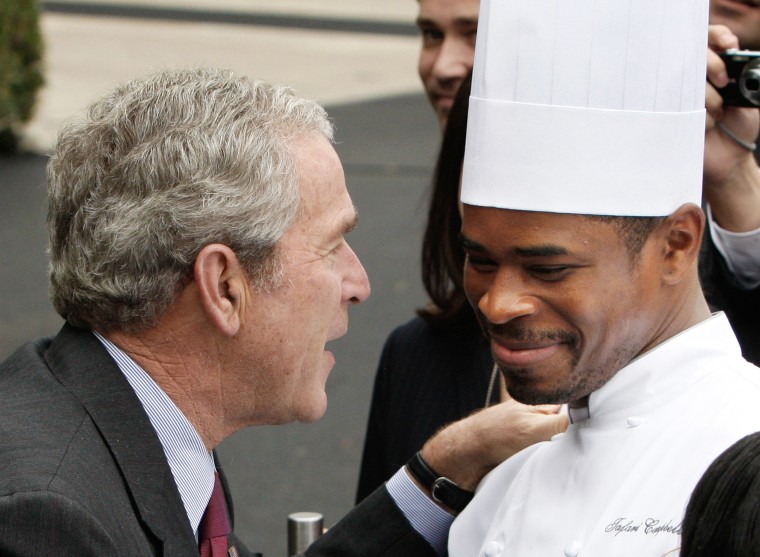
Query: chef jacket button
<point>493,549</point>
<point>635,421</point>
<point>557,435</point>
<point>573,549</point>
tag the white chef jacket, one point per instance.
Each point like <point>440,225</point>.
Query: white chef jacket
<point>617,482</point>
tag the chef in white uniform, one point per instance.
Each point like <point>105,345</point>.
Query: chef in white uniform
<point>578,108</point>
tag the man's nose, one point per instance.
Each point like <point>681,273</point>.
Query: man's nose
<point>356,284</point>
<point>504,301</point>
<point>454,59</point>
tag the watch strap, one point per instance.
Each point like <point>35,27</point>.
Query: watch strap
<point>442,489</point>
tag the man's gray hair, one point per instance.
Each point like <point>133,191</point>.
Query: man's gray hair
<point>160,168</point>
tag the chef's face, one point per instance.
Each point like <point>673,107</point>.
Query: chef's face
<point>562,300</point>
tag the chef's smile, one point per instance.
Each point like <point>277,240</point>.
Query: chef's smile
<point>514,346</point>
<point>522,356</point>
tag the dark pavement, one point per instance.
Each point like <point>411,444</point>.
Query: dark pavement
<point>387,148</point>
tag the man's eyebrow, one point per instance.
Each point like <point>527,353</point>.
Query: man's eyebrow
<point>470,245</point>
<point>425,22</point>
<point>350,225</point>
<point>547,250</point>
<point>466,21</point>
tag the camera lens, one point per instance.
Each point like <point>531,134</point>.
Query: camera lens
<point>749,83</point>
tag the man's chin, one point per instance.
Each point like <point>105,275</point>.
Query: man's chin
<point>533,398</point>
<point>532,394</point>
<point>314,410</point>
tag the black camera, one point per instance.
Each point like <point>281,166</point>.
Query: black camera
<point>743,68</point>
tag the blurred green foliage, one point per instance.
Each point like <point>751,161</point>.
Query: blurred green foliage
<point>20,66</point>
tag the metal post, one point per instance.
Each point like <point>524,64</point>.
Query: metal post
<point>303,529</point>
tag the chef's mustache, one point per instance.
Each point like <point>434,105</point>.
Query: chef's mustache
<point>515,332</point>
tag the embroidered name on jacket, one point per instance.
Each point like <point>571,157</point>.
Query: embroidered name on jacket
<point>648,526</point>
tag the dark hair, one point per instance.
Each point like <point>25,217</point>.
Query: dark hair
<point>442,254</point>
<point>723,515</point>
<point>634,231</point>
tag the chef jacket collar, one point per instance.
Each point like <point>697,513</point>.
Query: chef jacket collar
<point>660,374</point>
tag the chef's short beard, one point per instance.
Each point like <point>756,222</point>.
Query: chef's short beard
<point>530,396</point>
<point>578,385</point>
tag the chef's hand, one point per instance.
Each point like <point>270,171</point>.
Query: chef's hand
<point>467,450</point>
<point>731,175</point>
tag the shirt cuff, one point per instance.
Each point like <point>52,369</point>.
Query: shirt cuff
<point>428,519</point>
<point>740,250</point>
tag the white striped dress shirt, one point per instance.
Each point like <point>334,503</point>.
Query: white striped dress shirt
<point>191,464</point>
<point>428,519</point>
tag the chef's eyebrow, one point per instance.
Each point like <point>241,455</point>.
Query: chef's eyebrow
<point>470,245</point>
<point>542,250</point>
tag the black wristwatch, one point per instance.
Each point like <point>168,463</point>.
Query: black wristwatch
<point>442,489</point>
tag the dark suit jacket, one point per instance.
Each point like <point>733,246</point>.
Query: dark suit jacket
<point>376,527</point>
<point>742,306</point>
<point>427,377</point>
<point>82,471</point>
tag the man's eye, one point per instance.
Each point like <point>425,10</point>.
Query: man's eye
<point>551,272</point>
<point>336,249</point>
<point>431,36</point>
<point>479,263</point>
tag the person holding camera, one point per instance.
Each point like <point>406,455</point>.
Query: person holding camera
<point>731,250</point>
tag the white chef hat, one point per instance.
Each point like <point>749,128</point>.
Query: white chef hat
<point>587,106</point>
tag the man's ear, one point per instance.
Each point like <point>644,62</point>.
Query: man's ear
<point>221,281</point>
<point>682,233</point>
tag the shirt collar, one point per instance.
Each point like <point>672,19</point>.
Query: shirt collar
<point>662,373</point>
<point>192,466</point>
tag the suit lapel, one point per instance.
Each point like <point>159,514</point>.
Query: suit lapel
<point>80,363</point>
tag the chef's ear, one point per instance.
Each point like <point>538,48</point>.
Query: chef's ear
<point>681,233</point>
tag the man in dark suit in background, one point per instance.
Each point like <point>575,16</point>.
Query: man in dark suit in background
<point>197,224</point>
<point>729,262</point>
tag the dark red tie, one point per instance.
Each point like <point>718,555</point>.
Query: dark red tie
<point>215,524</point>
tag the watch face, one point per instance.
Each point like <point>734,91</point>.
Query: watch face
<point>442,489</point>
<point>447,493</point>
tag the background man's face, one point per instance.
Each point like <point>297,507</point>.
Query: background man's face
<point>286,330</point>
<point>559,298</point>
<point>448,29</point>
<point>742,17</point>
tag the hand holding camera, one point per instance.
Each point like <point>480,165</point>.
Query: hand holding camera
<point>732,121</point>
<point>743,69</point>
